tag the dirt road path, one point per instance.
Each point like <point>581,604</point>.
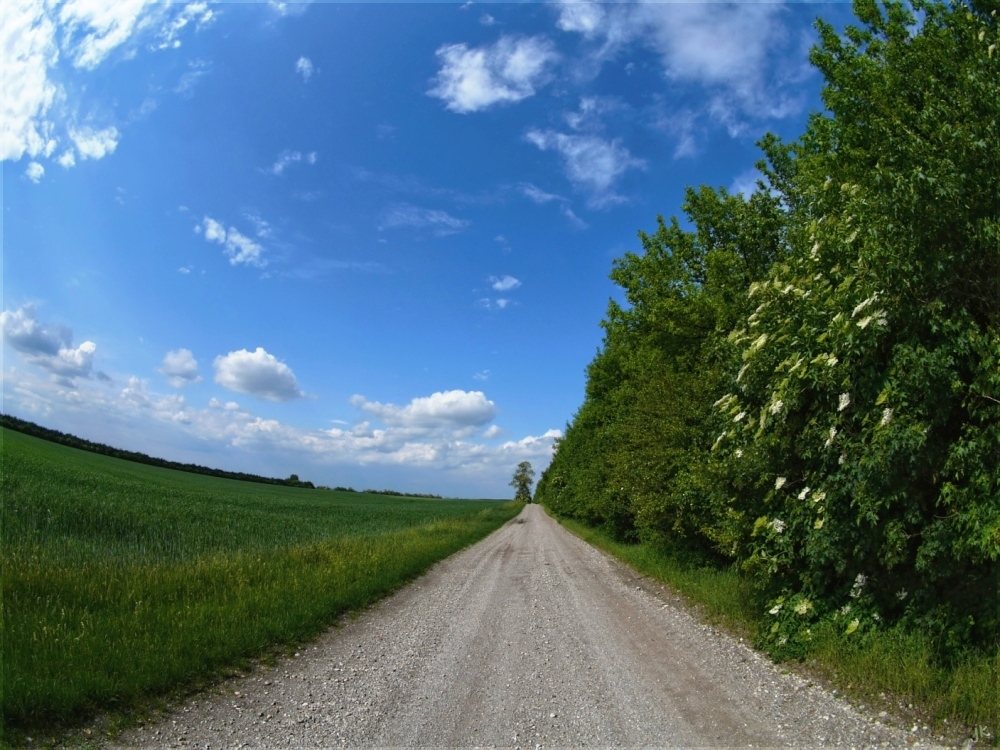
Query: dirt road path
<point>530,637</point>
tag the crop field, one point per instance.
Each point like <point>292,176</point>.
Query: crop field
<point>123,581</point>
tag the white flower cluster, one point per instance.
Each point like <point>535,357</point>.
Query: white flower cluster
<point>859,585</point>
<point>844,402</point>
<point>777,525</point>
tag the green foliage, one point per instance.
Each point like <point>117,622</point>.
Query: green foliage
<point>524,475</point>
<point>122,581</point>
<point>807,381</point>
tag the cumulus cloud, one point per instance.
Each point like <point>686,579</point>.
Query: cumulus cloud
<point>239,248</point>
<point>34,172</point>
<point>406,215</point>
<point>593,164</point>
<point>473,79</point>
<point>304,67</point>
<point>49,347</point>
<point>504,283</point>
<point>256,373</point>
<point>442,409</point>
<point>180,367</point>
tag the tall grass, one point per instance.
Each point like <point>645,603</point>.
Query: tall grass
<point>123,581</point>
<point>894,668</point>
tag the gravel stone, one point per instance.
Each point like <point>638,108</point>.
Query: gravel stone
<point>530,638</point>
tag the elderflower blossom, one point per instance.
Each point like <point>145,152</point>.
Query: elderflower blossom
<point>777,406</point>
<point>804,494</point>
<point>777,525</point>
<point>859,584</point>
<point>719,440</point>
<point>758,342</point>
<point>803,607</point>
<point>886,417</point>
<point>842,460</point>
<point>739,417</point>
<point>742,372</point>
<point>844,402</point>
<point>738,453</point>
<point>775,609</point>
<point>863,323</point>
<point>862,305</point>
<point>819,496</point>
<point>779,483</point>
<point>829,440</point>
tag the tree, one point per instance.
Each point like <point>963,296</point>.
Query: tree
<point>524,475</point>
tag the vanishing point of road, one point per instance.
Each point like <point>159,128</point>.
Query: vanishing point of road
<point>530,637</point>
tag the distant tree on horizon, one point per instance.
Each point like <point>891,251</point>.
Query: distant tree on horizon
<point>524,475</point>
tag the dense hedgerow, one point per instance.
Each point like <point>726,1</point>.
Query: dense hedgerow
<point>808,383</point>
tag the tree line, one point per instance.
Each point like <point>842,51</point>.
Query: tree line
<point>804,381</point>
<point>45,433</point>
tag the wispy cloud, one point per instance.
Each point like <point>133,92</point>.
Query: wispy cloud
<point>288,157</point>
<point>593,164</point>
<point>304,67</point>
<point>35,35</point>
<point>504,283</point>
<point>405,215</point>
<point>473,79</point>
<point>239,248</point>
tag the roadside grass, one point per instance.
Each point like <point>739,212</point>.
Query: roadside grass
<point>892,669</point>
<point>122,581</point>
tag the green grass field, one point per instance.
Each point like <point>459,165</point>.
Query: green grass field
<point>123,581</point>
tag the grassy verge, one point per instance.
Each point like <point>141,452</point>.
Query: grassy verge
<point>892,669</point>
<point>123,581</point>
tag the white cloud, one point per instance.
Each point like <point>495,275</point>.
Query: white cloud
<point>738,54</point>
<point>35,35</point>
<point>487,20</point>
<point>510,70</point>
<point>180,367</point>
<point>745,183</point>
<point>96,28</point>
<point>198,13</point>
<point>592,163</point>
<point>533,446</point>
<point>67,159</point>
<point>287,158</point>
<point>537,195</point>
<point>406,215</point>
<point>445,408</point>
<point>256,373</point>
<point>504,283</point>
<point>28,41</point>
<point>48,347</point>
<point>451,457</point>
<point>585,18</point>
<point>482,376</point>
<point>94,144</point>
<point>239,248</point>
<point>304,67</point>
<point>34,172</point>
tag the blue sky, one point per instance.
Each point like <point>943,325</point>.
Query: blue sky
<point>367,244</point>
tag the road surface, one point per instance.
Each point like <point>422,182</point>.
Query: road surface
<point>530,637</point>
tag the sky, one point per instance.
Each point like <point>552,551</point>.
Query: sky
<point>365,244</point>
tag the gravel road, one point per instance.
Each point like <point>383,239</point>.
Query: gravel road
<point>530,637</point>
